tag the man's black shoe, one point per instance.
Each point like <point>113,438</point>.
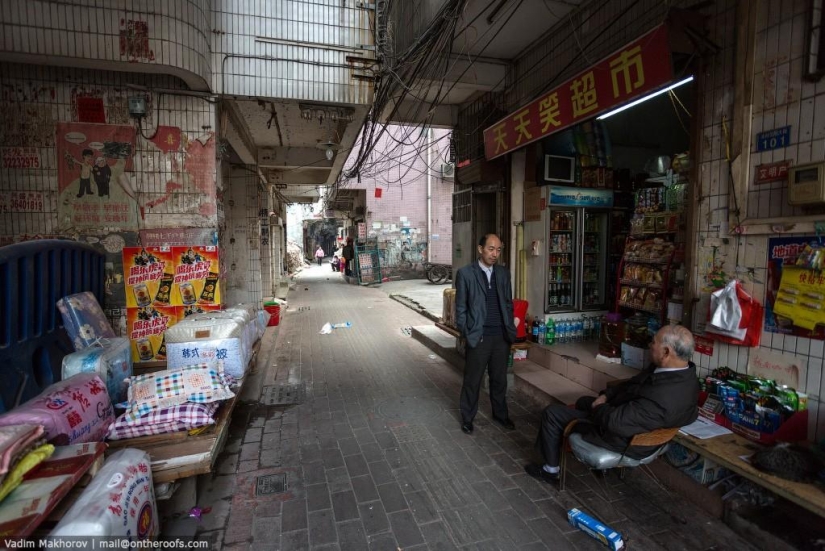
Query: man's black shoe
<point>506,423</point>
<point>467,428</point>
<point>536,471</point>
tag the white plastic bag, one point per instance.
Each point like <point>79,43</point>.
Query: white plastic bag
<point>725,311</point>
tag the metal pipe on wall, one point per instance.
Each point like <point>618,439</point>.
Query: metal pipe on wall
<point>429,194</point>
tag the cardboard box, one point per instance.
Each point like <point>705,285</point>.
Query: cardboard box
<point>595,529</point>
<point>635,357</point>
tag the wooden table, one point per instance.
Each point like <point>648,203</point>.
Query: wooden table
<point>726,451</point>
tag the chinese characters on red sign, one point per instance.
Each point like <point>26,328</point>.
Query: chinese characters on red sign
<point>771,172</point>
<point>640,67</point>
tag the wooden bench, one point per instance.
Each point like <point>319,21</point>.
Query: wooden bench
<point>727,450</point>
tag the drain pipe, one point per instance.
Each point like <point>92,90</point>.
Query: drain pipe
<point>429,194</point>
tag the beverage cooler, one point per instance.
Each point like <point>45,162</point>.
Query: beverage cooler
<point>577,249</point>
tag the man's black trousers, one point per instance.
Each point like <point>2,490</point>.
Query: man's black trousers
<point>490,355</point>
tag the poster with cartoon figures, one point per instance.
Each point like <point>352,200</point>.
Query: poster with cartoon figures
<point>197,275</point>
<point>94,189</point>
<point>146,327</point>
<point>149,274</point>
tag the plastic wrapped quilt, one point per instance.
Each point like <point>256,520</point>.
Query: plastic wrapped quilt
<point>72,411</point>
<point>119,502</point>
<point>84,319</point>
<point>109,358</point>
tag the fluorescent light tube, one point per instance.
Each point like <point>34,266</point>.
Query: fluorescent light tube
<point>644,99</point>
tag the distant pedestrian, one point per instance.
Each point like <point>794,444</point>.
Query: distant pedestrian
<point>349,254</point>
<point>319,254</point>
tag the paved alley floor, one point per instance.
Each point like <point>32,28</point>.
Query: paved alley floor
<point>371,456</point>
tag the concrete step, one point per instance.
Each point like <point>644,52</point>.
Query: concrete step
<point>546,386</point>
<point>440,342</point>
<point>578,363</point>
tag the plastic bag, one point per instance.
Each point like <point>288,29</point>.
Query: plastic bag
<point>726,314</point>
<point>326,329</point>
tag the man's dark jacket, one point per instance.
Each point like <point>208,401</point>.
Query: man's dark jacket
<point>471,302</point>
<point>646,402</point>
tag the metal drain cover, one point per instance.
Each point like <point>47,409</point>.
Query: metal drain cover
<point>284,394</point>
<point>410,408</point>
<point>270,484</point>
<point>410,433</point>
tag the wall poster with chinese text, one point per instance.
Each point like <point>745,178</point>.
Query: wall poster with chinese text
<point>146,328</point>
<point>94,189</point>
<point>782,254</point>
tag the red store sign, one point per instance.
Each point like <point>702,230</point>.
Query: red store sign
<point>771,172</point>
<point>639,68</point>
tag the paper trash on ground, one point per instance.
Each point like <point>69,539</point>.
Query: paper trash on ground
<point>326,329</point>
<point>704,429</point>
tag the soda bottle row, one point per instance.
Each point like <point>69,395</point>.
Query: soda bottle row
<point>559,294</point>
<point>562,221</point>
<point>561,243</point>
<point>565,330</point>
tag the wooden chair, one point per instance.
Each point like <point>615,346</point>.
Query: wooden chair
<point>602,459</point>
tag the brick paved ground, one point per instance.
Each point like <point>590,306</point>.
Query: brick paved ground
<point>374,457</point>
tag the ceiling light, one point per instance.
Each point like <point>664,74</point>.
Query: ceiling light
<point>644,99</point>
<point>329,147</point>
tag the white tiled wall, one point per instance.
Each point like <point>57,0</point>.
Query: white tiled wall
<point>781,97</point>
<point>34,98</point>
<point>179,32</point>
<point>242,237</point>
<point>280,49</point>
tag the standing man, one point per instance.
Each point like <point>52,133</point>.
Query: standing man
<point>484,316</point>
<point>665,395</point>
<point>348,254</point>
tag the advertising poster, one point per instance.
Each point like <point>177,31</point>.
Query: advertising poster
<point>783,252</point>
<point>146,327</point>
<point>94,189</point>
<point>149,274</point>
<point>197,275</point>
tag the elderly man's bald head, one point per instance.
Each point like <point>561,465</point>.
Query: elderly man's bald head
<point>679,339</point>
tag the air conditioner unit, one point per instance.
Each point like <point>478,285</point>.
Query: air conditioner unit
<point>448,171</point>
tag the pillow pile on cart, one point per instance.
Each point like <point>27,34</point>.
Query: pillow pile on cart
<point>200,384</point>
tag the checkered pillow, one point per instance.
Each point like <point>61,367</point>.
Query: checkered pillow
<point>164,389</point>
<point>163,420</point>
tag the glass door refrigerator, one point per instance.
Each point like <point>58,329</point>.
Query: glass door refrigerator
<point>562,264</point>
<point>577,249</point>
<point>593,274</point>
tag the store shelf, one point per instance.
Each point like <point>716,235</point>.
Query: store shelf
<point>559,281</point>
<point>560,252</point>
<point>561,231</point>
<point>635,283</point>
<point>650,310</point>
<point>640,261</point>
<point>562,265</point>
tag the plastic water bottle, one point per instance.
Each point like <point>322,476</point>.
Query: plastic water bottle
<point>542,331</point>
<point>578,331</point>
<point>563,331</point>
<point>534,330</point>
<point>588,329</point>
<point>550,333</point>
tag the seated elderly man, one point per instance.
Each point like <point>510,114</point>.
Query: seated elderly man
<point>664,395</point>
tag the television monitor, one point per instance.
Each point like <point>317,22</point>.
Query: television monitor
<point>561,169</point>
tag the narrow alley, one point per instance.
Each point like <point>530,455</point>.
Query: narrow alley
<point>374,458</point>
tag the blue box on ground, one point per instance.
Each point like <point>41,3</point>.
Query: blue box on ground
<point>595,529</point>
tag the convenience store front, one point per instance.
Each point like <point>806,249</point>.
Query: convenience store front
<point>606,189</point>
